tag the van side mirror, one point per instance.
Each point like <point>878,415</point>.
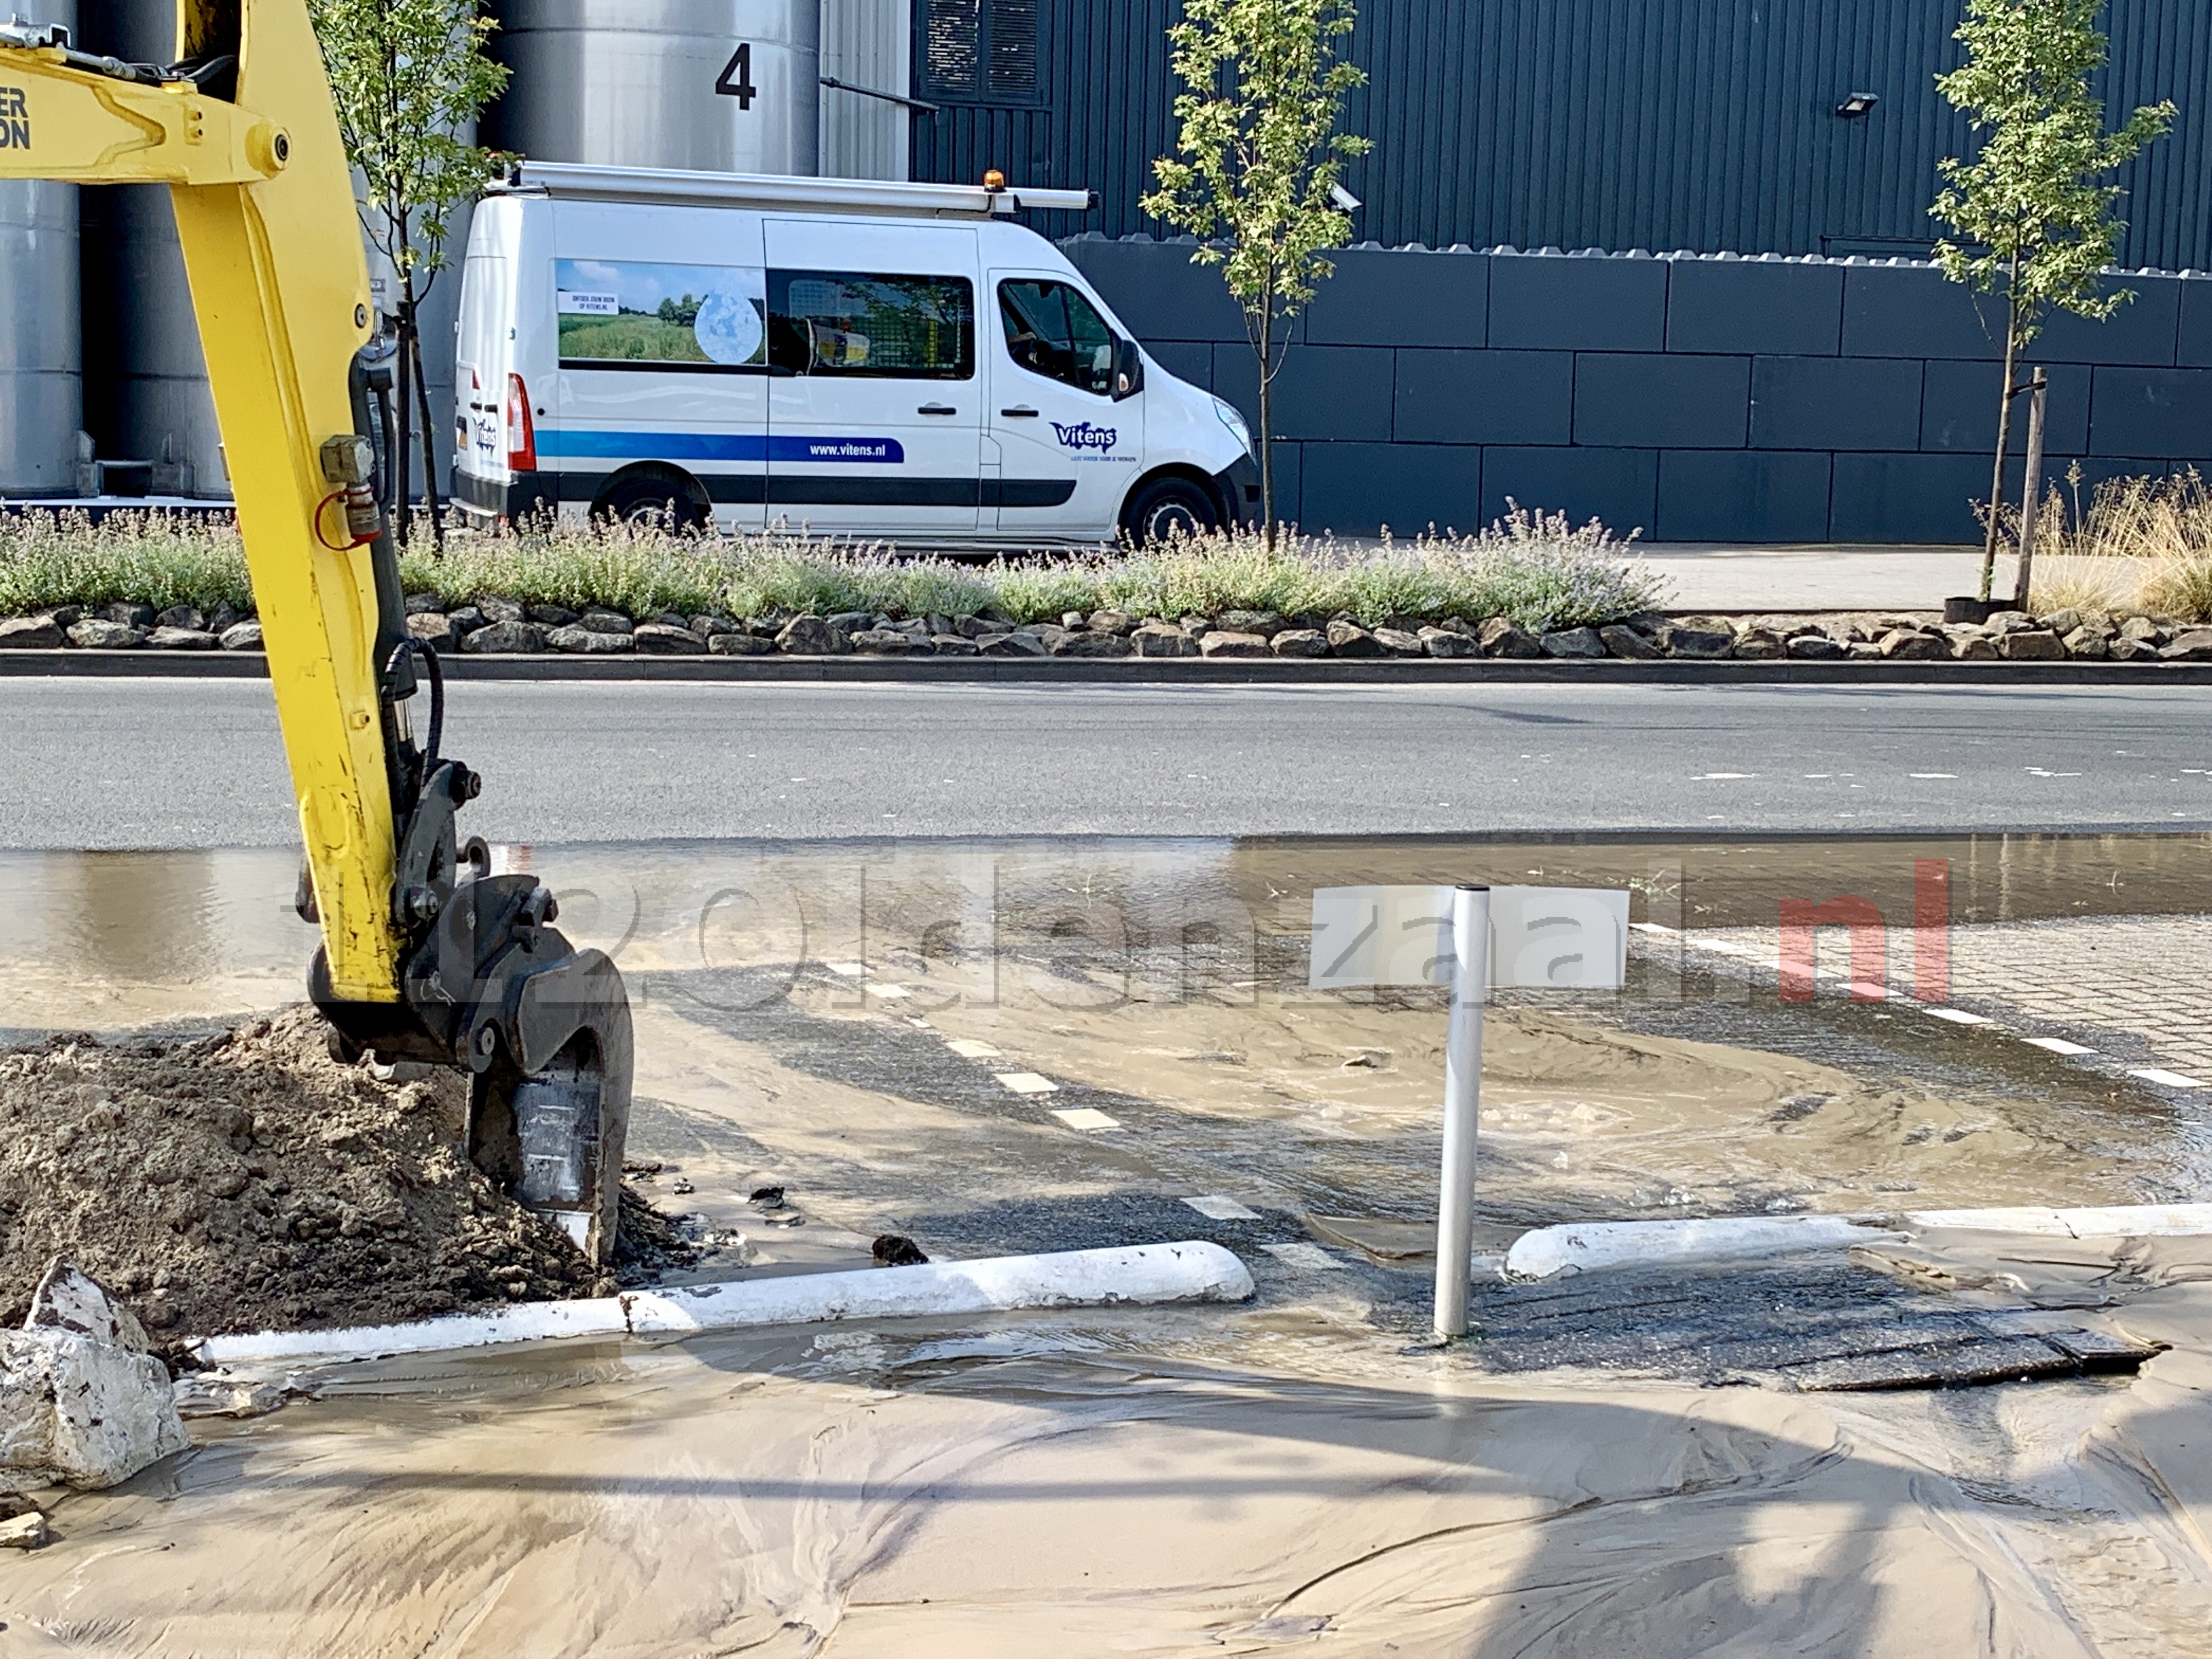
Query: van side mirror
<point>1128,370</point>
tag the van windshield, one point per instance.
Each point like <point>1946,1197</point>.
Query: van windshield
<point>857,324</point>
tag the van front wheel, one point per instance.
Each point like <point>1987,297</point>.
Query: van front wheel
<point>656,501</point>
<point>1170,507</point>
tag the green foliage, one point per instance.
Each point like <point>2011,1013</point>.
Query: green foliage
<point>1531,567</point>
<point>2030,217</point>
<point>407,75</point>
<point>1257,158</point>
<point>48,559</point>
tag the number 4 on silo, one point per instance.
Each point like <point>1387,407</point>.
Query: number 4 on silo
<point>741,66</point>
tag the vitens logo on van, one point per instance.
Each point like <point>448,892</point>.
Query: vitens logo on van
<point>1083,435</point>
<point>14,119</point>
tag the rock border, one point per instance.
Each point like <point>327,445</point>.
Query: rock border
<point>496,638</point>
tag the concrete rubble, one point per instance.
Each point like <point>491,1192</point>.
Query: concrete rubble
<point>82,1402</point>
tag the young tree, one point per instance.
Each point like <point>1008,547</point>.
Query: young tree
<point>1258,158</point>
<point>407,75</point>
<point>2029,218</point>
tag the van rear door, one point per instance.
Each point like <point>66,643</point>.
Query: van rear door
<point>875,399</point>
<point>480,379</point>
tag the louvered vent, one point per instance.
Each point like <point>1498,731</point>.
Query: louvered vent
<point>980,50</point>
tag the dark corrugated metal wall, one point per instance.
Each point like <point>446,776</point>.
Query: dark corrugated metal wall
<point>1707,124</point>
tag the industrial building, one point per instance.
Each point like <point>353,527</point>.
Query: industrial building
<point>1516,130</point>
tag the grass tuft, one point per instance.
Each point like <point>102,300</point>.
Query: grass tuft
<point>1531,567</point>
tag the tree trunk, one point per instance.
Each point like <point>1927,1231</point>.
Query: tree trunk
<point>429,443</point>
<point>2004,435</point>
<point>1267,459</point>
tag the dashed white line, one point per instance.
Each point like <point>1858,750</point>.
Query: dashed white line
<point>1219,1208</point>
<point>1311,1257</point>
<point>2057,1046</point>
<point>1027,1083</point>
<point>2168,1079</point>
<point>1087,1117</point>
<point>969,1048</point>
<point>1956,1016</point>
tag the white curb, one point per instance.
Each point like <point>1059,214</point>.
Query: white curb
<point>1191,1271</point>
<point>1585,1246</point>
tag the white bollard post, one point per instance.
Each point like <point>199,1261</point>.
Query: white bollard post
<point>1462,1098</point>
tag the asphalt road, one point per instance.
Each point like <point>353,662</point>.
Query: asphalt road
<point>148,763</point>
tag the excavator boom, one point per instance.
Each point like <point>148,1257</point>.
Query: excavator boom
<point>425,954</point>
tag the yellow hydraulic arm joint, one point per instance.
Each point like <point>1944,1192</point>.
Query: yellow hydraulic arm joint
<point>265,213</point>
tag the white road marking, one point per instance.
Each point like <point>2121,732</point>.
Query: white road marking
<point>1653,927</point>
<point>1214,1205</point>
<point>1087,1117</point>
<point>1860,989</point>
<point>1931,774</point>
<point>2168,1079</point>
<point>1703,776</point>
<point>1311,1257</point>
<point>969,1048</point>
<point>2058,1046</point>
<point>1027,1083</point>
<point>850,970</point>
<point>889,992</point>
<point>1956,1016</point>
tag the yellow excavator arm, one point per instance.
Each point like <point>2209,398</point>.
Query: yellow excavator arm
<point>425,954</point>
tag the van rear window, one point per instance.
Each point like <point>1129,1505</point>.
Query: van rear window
<point>630,314</point>
<point>855,325</point>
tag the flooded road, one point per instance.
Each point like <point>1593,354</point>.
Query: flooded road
<point>1049,1044</point>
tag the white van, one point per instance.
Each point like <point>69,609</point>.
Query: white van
<point>861,359</point>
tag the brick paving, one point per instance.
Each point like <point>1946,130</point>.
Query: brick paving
<point>2136,989</point>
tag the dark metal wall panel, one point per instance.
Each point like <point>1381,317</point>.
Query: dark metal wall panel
<point>1865,414</point>
<point>1705,124</point>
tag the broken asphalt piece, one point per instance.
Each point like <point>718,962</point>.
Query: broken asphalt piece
<point>897,1251</point>
<point>767,1198</point>
<point>77,1407</point>
<point>224,1396</point>
<point>632,1166</point>
<point>26,1531</point>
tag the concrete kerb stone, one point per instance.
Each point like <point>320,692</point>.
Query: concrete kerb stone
<point>1189,1271</point>
<point>1591,1246</point>
<point>1150,670</point>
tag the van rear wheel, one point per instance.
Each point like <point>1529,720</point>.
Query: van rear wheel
<point>654,501</point>
<point>1170,507</point>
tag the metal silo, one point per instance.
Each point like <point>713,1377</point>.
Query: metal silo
<point>723,86</point>
<point>150,397</point>
<point>41,371</point>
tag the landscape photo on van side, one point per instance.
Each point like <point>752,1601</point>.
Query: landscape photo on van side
<point>643,313</point>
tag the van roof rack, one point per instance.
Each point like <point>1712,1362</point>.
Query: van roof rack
<point>601,184</point>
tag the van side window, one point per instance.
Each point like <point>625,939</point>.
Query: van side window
<point>1053,330</point>
<point>853,326</point>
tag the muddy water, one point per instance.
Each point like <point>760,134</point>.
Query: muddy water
<point>837,1018</point>
<point>784,988</point>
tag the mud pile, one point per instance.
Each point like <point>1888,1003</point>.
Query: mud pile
<point>247,1182</point>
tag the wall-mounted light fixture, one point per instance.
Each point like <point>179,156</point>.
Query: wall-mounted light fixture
<point>1857,104</point>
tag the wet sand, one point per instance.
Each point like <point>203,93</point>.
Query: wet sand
<point>1098,1485</point>
<point>1180,1482</point>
